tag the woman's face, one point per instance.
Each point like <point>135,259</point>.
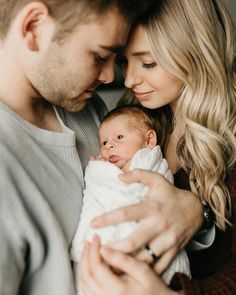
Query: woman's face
<point>152,85</point>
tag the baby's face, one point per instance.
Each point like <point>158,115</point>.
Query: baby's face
<point>120,140</point>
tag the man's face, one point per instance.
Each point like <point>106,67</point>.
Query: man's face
<point>67,74</point>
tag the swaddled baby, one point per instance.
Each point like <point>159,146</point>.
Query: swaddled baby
<point>128,141</point>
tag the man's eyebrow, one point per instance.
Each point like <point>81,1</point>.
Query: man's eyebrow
<point>113,48</point>
<point>138,53</point>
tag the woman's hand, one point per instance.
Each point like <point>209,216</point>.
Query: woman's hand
<point>168,219</point>
<point>98,279</point>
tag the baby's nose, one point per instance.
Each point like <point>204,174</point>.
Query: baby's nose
<point>110,145</point>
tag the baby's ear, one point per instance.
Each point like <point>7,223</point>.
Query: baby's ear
<point>151,139</point>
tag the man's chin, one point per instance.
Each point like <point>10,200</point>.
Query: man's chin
<point>75,107</point>
<point>79,106</point>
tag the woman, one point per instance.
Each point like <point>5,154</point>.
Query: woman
<point>182,56</point>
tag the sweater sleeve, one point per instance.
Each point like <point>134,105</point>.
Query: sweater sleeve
<point>223,281</point>
<point>12,247</point>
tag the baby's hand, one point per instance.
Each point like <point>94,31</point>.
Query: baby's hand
<point>97,158</point>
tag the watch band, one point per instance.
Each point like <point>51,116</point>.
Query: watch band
<point>209,218</point>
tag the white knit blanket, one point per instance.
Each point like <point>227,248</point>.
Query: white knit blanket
<point>105,192</point>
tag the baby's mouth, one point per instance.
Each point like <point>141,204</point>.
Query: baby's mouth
<point>113,159</point>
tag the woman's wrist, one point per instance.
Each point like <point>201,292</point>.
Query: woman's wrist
<point>208,218</point>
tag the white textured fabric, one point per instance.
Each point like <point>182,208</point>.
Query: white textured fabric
<point>105,192</point>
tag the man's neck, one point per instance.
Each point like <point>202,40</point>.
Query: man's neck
<point>19,95</point>
<point>36,111</point>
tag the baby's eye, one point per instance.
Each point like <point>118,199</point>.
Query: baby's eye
<point>104,142</point>
<point>120,136</point>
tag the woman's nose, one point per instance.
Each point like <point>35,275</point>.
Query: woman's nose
<point>131,78</point>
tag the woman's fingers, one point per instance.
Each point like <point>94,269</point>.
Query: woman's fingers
<point>164,261</point>
<point>130,266</point>
<point>135,212</point>
<point>89,285</point>
<point>85,260</point>
<point>145,177</point>
<point>138,239</point>
<point>127,213</point>
<point>163,258</point>
<point>141,279</point>
<point>101,273</point>
<point>98,279</point>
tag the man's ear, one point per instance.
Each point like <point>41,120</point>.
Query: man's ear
<point>151,139</point>
<point>31,17</point>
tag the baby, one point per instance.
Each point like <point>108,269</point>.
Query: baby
<point>128,141</point>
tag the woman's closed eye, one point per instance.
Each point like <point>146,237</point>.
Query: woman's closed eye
<point>149,65</point>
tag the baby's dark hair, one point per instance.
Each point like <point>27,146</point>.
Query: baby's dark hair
<point>144,119</point>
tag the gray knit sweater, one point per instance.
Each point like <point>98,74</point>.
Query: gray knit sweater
<point>41,182</point>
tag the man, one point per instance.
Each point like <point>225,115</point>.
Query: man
<point>53,55</point>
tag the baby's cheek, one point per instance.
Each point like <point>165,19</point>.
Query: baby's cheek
<point>103,153</point>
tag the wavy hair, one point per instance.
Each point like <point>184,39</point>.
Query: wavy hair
<point>193,41</point>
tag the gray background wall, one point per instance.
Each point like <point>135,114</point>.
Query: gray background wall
<point>231,4</point>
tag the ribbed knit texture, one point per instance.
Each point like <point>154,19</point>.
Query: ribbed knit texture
<point>41,182</point>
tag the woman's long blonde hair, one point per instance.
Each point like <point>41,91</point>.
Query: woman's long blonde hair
<point>193,40</point>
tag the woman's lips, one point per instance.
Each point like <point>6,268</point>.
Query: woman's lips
<point>142,95</point>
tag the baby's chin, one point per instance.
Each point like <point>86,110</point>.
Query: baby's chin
<point>120,164</point>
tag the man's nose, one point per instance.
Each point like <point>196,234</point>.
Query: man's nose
<point>107,73</point>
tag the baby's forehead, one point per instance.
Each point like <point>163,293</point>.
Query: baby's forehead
<point>122,122</point>
<point>128,118</point>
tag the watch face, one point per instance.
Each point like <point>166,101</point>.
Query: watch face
<point>209,217</point>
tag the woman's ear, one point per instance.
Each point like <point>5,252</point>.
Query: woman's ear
<point>151,139</point>
<point>31,17</point>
